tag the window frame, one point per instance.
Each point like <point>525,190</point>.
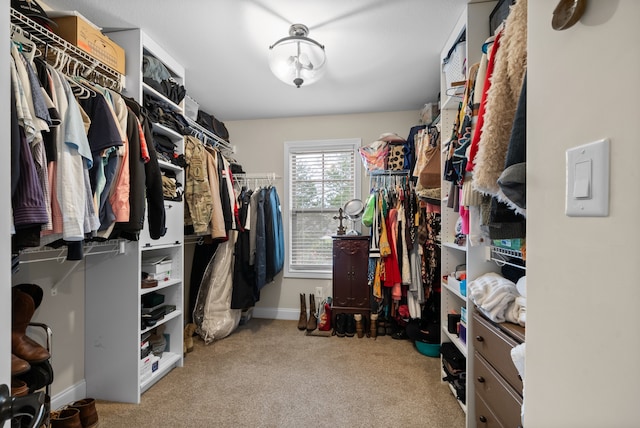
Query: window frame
<point>299,146</point>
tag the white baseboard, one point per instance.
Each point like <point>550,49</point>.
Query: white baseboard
<point>276,313</point>
<point>73,393</point>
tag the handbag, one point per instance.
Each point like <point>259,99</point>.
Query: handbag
<point>369,211</point>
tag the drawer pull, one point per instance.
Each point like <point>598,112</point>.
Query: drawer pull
<point>480,379</point>
<point>482,419</point>
<point>479,338</point>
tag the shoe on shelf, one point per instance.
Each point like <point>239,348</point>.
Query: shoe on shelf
<point>18,366</point>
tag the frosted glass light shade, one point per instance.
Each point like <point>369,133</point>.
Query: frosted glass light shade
<point>297,59</point>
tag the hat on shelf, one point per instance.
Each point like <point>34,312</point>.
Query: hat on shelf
<point>31,9</point>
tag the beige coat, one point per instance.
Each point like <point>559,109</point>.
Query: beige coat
<point>502,99</point>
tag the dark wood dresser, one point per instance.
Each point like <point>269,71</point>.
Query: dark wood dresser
<point>497,384</point>
<point>351,293</point>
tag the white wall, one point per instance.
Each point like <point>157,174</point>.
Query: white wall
<point>5,215</point>
<point>582,345</point>
<point>260,148</point>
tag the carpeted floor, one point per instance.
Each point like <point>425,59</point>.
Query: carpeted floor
<point>270,374</point>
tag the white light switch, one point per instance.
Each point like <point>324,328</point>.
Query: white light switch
<point>588,180</point>
<point>582,181</point>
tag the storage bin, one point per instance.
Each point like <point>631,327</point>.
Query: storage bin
<point>156,268</point>
<point>190,108</point>
<point>428,349</point>
<point>454,66</point>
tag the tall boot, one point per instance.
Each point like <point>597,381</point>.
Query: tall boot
<point>374,325</point>
<point>359,325</point>
<point>313,321</point>
<point>22,309</point>
<point>302,322</point>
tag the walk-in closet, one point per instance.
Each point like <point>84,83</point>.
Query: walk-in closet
<point>260,213</point>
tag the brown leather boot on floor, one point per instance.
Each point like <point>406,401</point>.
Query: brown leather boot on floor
<point>22,309</point>
<point>302,322</point>
<point>66,418</point>
<point>313,321</point>
<point>359,325</point>
<point>88,413</point>
<point>374,325</point>
<point>189,329</point>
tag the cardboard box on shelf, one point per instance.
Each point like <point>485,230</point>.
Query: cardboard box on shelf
<point>87,37</point>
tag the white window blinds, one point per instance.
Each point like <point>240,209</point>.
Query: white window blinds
<point>321,179</point>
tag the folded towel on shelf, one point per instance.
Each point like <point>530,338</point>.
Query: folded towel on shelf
<point>495,296</point>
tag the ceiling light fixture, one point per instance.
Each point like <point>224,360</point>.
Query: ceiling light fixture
<point>297,59</point>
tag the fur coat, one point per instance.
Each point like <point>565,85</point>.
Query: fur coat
<point>502,99</point>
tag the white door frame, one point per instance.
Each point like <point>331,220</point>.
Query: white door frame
<point>5,214</point>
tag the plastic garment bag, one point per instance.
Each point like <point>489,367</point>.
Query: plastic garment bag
<point>213,315</point>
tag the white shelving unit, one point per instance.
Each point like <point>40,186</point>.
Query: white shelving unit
<point>113,298</point>
<point>475,22</point>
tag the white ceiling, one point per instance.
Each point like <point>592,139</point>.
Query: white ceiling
<point>382,55</point>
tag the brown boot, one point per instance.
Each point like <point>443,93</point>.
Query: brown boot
<point>18,366</point>
<point>374,325</point>
<point>67,418</point>
<point>22,309</point>
<point>302,322</point>
<point>359,325</point>
<point>189,329</point>
<point>88,413</point>
<point>313,321</point>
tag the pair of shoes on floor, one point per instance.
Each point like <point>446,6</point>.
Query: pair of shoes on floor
<point>310,323</point>
<point>345,325</point>
<point>384,327</point>
<point>79,414</point>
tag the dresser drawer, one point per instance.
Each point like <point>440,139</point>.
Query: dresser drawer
<point>495,346</point>
<point>502,399</point>
<point>484,416</point>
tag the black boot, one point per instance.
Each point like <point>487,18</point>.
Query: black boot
<point>350,330</point>
<point>341,320</point>
<point>313,320</point>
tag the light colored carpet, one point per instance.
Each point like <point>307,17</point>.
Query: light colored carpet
<point>270,374</point>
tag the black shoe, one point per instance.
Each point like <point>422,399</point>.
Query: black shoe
<point>341,320</point>
<point>382,330</point>
<point>351,325</point>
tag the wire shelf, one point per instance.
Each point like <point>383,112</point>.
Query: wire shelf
<point>52,45</point>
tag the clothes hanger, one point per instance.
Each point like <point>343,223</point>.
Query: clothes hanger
<point>25,45</point>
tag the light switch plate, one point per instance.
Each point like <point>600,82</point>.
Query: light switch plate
<point>587,191</point>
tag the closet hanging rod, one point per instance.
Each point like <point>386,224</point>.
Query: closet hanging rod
<point>46,38</point>
<point>386,172</point>
<point>210,135</point>
<point>259,175</point>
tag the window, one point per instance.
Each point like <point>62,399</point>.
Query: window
<point>321,177</point>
